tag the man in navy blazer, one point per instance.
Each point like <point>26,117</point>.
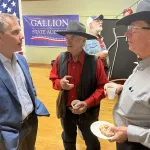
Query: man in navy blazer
<point>19,106</point>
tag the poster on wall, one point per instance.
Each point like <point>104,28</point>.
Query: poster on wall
<point>41,30</point>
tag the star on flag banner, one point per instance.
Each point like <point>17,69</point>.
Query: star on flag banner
<point>10,6</point>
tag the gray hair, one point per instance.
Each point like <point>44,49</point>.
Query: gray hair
<point>4,22</point>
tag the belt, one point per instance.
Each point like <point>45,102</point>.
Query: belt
<point>27,118</point>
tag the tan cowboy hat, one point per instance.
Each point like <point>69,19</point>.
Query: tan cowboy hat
<point>76,28</point>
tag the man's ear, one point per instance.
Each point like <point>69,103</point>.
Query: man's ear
<point>1,36</point>
<point>149,36</point>
<point>90,25</point>
<point>84,41</point>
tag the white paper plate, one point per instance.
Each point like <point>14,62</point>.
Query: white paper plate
<point>96,131</point>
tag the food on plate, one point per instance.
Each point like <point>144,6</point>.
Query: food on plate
<point>105,130</point>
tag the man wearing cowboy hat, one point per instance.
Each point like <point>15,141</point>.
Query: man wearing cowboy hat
<point>132,110</point>
<point>81,76</point>
<point>96,46</point>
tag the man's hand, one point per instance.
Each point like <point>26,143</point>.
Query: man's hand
<point>111,84</point>
<point>82,107</point>
<point>102,55</point>
<point>120,134</point>
<point>64,83</point>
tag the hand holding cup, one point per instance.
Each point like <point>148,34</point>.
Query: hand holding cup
<point>110,90</point>
<point>73,104</point>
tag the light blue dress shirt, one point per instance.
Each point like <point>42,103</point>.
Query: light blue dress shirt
<point>19,82</point>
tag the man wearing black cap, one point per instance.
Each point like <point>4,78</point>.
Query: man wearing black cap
<point>96,47</point>
<point>79,76</point>
<point>132,111</point>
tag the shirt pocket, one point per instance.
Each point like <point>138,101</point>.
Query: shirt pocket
<point>135,105</point>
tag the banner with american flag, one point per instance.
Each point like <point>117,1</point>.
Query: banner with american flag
<point>10,6</point>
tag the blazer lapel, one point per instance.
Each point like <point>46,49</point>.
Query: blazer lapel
<point>5,77</point>
<point>25,72</point>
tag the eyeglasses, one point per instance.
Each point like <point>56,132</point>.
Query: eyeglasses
<point>133,28</point>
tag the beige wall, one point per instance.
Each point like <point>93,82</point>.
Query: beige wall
<point>84,8</point>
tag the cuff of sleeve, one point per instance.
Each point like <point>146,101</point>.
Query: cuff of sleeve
<point>58,84</point>
<point>133,134</point>
<point>89,103</point>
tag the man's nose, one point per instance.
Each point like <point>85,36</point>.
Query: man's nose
<point>127,33</point>
<point>69,41</point>
<point>21,36</point>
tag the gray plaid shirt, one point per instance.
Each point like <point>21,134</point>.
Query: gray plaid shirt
<point>133,107</point>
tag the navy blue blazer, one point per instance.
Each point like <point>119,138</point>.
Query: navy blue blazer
<point>10,107</point>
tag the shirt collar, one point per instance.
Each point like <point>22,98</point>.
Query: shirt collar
<point>143,64</point>
<point>81,57</point>
<point>4,59</point>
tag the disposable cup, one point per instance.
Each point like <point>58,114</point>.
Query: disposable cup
<point>111,92</point>
<point>73,104</point>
